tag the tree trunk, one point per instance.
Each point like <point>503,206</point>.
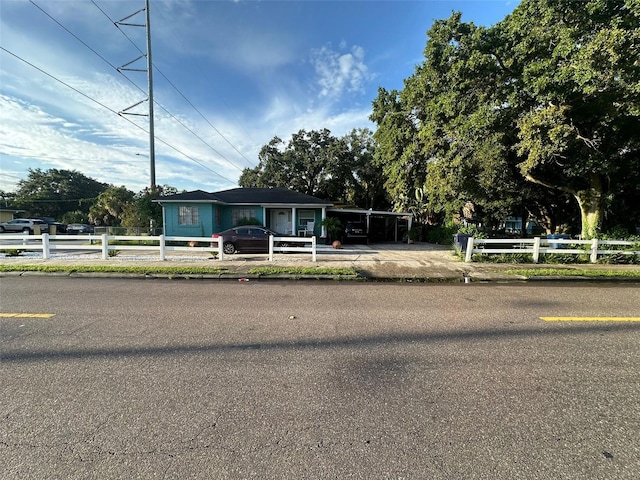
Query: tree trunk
<point>591,202</point>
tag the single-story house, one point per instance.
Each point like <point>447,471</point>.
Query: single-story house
<point>201,214</point>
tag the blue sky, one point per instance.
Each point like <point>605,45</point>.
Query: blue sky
<point>229,76</point>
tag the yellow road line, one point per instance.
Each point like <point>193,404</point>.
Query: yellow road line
<point>27,315</point>
<point>590,319</point>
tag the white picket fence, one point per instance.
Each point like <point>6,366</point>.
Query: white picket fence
<point>536,246</point>
<point>106,243</point>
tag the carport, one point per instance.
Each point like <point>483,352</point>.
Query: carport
<point>390,219</point>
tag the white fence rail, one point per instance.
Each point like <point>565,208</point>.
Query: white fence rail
<point>110,243</point>
<point>536,246</point>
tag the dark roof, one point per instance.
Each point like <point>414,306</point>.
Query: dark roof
<point>249,196</point>
<point>194,196</point>
<point>267,195</point>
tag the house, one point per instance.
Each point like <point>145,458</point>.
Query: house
<point>201,214</point>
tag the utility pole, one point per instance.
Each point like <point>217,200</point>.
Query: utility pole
<point>152,148</point>
<point>149,70</point>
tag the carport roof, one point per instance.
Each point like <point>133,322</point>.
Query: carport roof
<point>383,213</point>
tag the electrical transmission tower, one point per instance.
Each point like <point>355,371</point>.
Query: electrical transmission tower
<point>127,67</point>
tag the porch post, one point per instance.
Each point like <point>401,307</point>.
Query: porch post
<point>323,233</point>
<point>294,224</point>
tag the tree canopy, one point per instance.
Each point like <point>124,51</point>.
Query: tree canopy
<point>515,116</point>
<point>319,164</point>
<point>109,207</point>
<point>52,193</point>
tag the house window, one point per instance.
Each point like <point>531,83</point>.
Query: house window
<point>238,214</point>
<point>188,216</point>
<point>306,216</point>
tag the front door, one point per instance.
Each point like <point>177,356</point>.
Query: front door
<point>281,221</point>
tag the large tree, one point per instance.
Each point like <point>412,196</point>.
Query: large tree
<point>319,164</point>
<point>546,98</point>
<point>143,211</point>
<point>54,192</point>
<point>110,206</point>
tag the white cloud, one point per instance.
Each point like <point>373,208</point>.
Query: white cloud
<point>340,72</point>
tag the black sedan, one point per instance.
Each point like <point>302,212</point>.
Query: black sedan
<point>77,228</point>
<point>246,239</point>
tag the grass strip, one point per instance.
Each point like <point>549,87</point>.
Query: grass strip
<point>301,271</point>
<point>566,272</point>
<point>147,270</point>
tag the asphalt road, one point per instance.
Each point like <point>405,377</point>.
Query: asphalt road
<point>213,380</point>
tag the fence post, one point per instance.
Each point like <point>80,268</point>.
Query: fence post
<point>45,246</point>
<point>469,253</point>
<point>271,248</point>
<point>313,248</point>
<point>162,245</point>
<point>105,246</point>
<point>220,248</point>
<point>594,250</point>
<point>536,249</point>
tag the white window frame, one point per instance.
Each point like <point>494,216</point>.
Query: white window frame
<point>188,216</point>
<point>305,216</point>
<point>239,213</point>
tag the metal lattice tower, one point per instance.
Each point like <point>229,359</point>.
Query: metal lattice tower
<point>149,70</point>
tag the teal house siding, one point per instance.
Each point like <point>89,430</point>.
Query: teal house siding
<point>201,214</point>
<point>204,227</point>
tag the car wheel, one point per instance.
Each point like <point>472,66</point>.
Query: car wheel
<point>229,248</point>
<point>26,231</point>
<point>1,229</point>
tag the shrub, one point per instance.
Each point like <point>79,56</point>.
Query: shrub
<point>248,221</point>
<point>441,235</point>
<point>504,258</point>
<point>14,252</point>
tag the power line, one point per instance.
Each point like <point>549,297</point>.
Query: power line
<point>132,82</point>
<point>114,112</point>
<point>185,99</point>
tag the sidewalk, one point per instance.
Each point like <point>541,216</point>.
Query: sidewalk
<point>389,261</point>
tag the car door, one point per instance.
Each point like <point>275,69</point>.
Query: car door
<point>241,238</point>
<point>255,241</point>
<point>18,225</point>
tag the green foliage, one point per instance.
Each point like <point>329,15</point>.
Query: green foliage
<point>248,221</point>
<point>572,272</point>
<point>333,226</point>
<point>13,252</point>
<point>563,258</point>
<point>54,192</point>
<point>145,270</point>
<point>319,164</point>
<point>143,210</point>
<point>441,235</point>
<point>473,230</point>
<point>515,116</point>
<point>308,271</point>
<point>503,258</point>
<point>619,259</point>
<point>110,205</point>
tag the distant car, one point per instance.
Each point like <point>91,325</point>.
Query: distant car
<point>246,239</point>
<point>355,231</point>
<point>24,225</point>
<point>60,227</point>
<point>76,228</point>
